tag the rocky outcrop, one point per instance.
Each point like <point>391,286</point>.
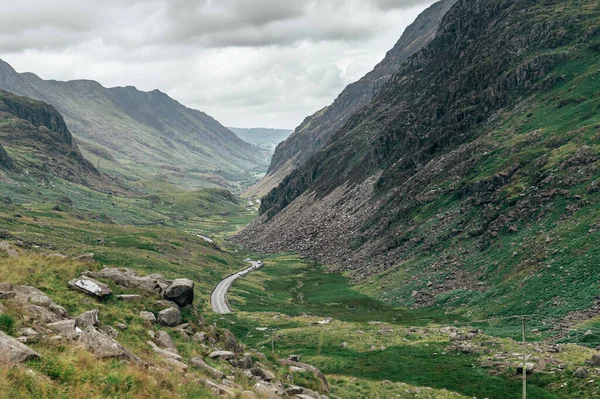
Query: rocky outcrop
<point>90,286</point>
<point>13,352</point>
<point>130,279</point>
<point>314,132</point>
<point>202,365</point>
<point>170,317</point>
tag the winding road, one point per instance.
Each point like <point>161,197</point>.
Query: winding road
<point>218,298</point>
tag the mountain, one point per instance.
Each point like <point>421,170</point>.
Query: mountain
<point>472,178</point>
<point>35,141</point>
<point>142,135</point>
<point>262,136</point>
<point>315,131</point>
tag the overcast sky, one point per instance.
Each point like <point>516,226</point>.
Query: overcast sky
<point>248,63</point>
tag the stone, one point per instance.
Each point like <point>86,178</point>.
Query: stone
<point>121,326</point>
<point>294,370</point>
<point>529,368</point>
<point>163,352</point>
<point>10,251</point>
<point>231,343</point>
<point>130,279</point>
<point>218,389</point>
<point>263,374</point>
<point>294,358</point>
<point>90,286</point>
<point>170,317</point>
<point>108,330</point>
<point>222,355</point>
<point>177,364</point>
<point>294,390</point>
<point>28,335</point>
<point>66,328</point>
<point>269,390</point>
<point>244,362</point>
<point>594,361</point>
<point>309,368</point>
<point>86,319</point>
<point>13,352</point>
<point>163,340</point>
<point>181,291</point>
<point>105,347</point>
<point>28,296</point>
<point>580,373</point>
<point>199,363</point>
<point>148,316</point>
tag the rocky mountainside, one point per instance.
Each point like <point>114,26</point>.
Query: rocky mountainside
<point>315,131</point>
<point>34,140</point>
<point>141,135</point>
<point>472,177</point>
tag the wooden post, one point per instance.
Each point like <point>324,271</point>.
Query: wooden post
<point>524,364</point>
<point>272,340</point>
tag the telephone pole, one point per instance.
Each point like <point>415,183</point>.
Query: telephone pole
<point>524,368</point>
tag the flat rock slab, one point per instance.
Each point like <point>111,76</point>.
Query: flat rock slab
<point>66,328</point>
<point>90,286</point>
<point>13,352</point>
<point>202,365</point>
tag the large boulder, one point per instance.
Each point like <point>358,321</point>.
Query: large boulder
<point>166,354</point>
<point>148,316</point>
<point>163,340</point>
<point>202,365</point>
<point>89,318</point>
<point>222,355</point>
<point>10,251</point>
<point>36,305</point>
<point>130,279</point>
<point>13,352</point>
<point>594,361</point>
<point>231,343</point>
<point>263,374</point>
<point>170,317</point>
<point>309,368</point>
<point>65,328</point>
<point>90,286</point>
<point>269,390</point>
<point>105,347</point>
<point>181,291</point>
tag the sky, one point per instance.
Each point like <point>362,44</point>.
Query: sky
<point>248,63</point>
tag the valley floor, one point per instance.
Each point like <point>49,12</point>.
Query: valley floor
<point>291,306</point>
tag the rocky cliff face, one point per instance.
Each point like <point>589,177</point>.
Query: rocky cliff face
<point>148,131</point>
<point>34,140</point>
<point>455,173</point>
<point>314,133</point>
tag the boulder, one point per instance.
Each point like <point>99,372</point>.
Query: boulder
<point>309,368</point>
<point>181,291</point>
<point>163,352</point>
<point>86,319</point>
<point>89,257</point>
<point>580,373</point>
<point>218,389</point>
<point>177,365</point>
<point>222,355</point>
<point>130,279</point>
<point>65,328</point>
<point>148,316</point>
<point>28,335</point>
<point>199,363</point>
<point>231,343</point>
<point>244,362</point>
<point>90,286</point>
<point>105,347</point>
<point>170,317</point>
<point>35,304</point>
<point>163,340</point>
<point>263,374</point>
<point>269,390</point>
<point>129,297</point>
<point>529,368</point>
<point>13,352</point>
<point>594,361</point>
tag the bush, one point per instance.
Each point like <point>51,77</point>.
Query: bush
<point>7,323</point>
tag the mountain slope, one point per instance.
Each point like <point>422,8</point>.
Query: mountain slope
<point>34,140</point>
<point>471,180</point>
<point>262,136</point>
<point>141,135</point>
<point>315,131</point>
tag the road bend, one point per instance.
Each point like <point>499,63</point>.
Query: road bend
<point>218,298</point>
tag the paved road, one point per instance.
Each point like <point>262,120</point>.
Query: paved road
<point>218,298</point>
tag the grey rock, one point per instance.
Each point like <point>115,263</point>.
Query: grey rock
<point>66,328</point>
<point>269,390</point>
<point>90,286</point>
<point>129,297</point>
<point>202,365</point>
<point>105,347</point>
<point>148,316</point>
<point>177,364</point>
<point>86,319</point>
<point>89,257</point>
<point>222,355</point>
<point>263,374</point>
<point>529,368</point>
<point>580,373</point>
<point>13,352</point>
<point>169,317</point>
<point>594,361</point>
<point>163,340</point>
<point>36,303</point>
<point>130,279</point>
<point>163,352</point>
<point>231,343</point>
<point>218,389</point>
<point>181,291</point>
<point>108,330</point>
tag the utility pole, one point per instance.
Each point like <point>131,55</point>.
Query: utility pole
<point>524,364</point>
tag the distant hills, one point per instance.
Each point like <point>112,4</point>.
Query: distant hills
<point>262,136</point>
<point>315,131</point>
<point>140,136</point>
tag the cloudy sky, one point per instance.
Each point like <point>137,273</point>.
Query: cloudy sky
<point>248,63</point>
